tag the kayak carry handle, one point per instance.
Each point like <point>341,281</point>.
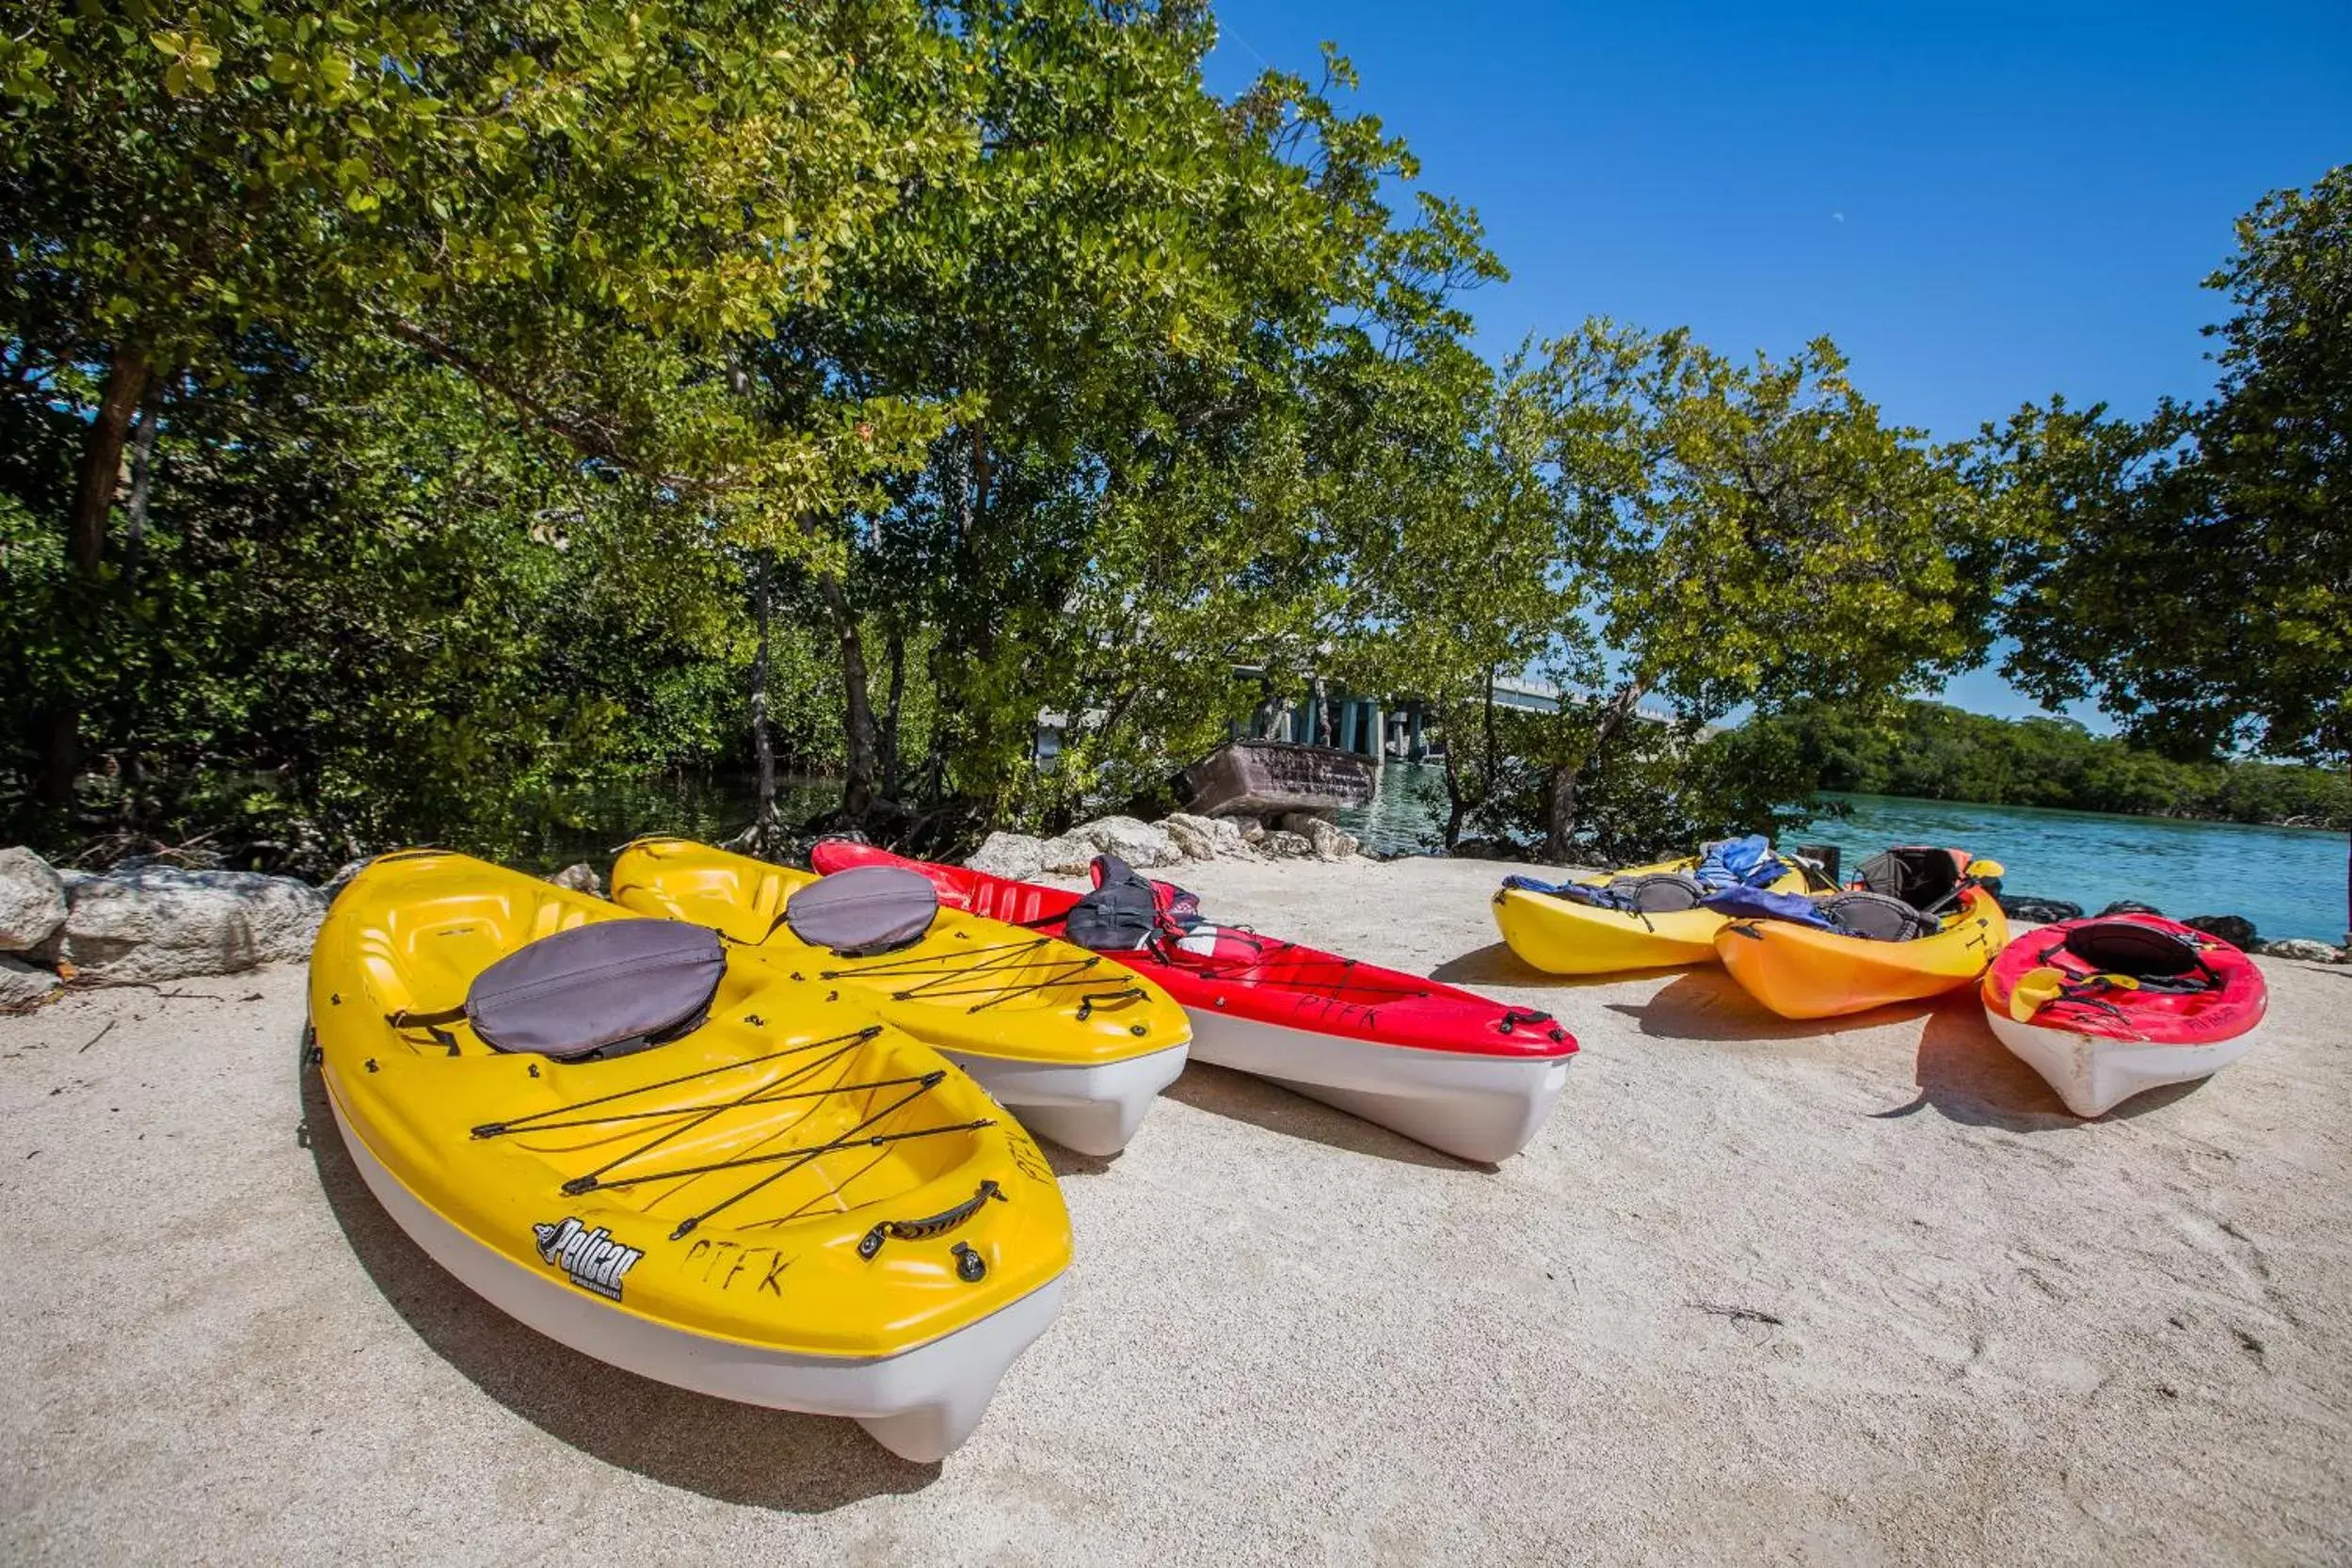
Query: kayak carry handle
<point>1086,1003</point>
<point>936,1224</point>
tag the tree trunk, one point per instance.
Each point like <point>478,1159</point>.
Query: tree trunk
<point>128,374</point>
<point>763,821</point>
<point>857,726</point>
<point>1460,802</point>
<point>897,649</point>
<point>1457,800</point>
<point>1486,724</point>
<point>142,482</point>
<point>954,479</point>
<point>1559,825</point>
<point>976,520</point>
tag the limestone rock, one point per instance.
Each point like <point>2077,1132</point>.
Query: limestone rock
<point>1282,844</point>
<point>1195,844</point>
<point>22,985</point>
<point>2039,911</point>
<point>32,900</point>
<point>1018,856</point>
<point>162,923</point>
<point>2130,907</point>
<point>1252,831</point>
<point>2236,930</point>
<point>1139,844</point>
<point>1329,842</point>
<point>1226,836</point>
<point>580,878</point>
<point>2304,948</point>
<point>1067,854</point>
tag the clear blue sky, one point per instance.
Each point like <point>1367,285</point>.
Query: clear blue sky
<point>1982,204</point>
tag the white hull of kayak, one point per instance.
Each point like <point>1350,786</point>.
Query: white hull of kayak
<point>920,1404</point>
<point>2094,1074</point>
<point>1478,1108</point>
<point>1093,1109</point>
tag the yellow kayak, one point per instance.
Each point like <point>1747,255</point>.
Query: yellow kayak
<point>789,1203</point>
<point>1801,971</point>
<point>1561,937</point>
<point>1075,1044</point>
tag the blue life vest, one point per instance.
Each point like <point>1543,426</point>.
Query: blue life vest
<point>1757,902</point>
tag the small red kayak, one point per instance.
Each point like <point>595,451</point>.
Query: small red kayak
<point>2109,1007</point>
<point>1445,1066</point>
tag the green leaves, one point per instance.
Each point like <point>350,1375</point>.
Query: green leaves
<point>1754,533</point>
<point>2193,572</point>
<point>192,58</point>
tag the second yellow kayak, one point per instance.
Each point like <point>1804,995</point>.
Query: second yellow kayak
<point>1562,937</point>
<point>1074,1043</point>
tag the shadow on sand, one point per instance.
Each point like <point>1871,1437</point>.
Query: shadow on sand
<point>1069,1162</point>
<point>1968,1075</point>
<point>1961,1070</point>
<point>1707,1005</point>
<point>1495,965</point>
<point>1222,1091</point>
<point>734,1453</point>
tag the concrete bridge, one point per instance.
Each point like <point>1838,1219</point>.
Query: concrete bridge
<point>1366,725</point>
<point>1384,727</point>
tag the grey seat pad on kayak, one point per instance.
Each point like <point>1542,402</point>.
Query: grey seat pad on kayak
<point>1878,917</point>
<point>1660,892</point>
<point>607,984</point>
<point>863,910</point>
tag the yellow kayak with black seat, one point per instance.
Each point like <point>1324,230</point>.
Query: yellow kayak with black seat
<point>1916,923</point>
<point>1658,924</point>
<point>676,1157</point>
<point>1074,1043</point>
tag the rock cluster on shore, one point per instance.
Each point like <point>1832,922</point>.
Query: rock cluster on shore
<point>142,922</point>
<point>1170,841</point>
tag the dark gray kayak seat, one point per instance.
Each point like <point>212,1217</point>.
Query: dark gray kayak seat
<point>1878,917</point>
<point>601,989</point>
<point>1660,892</point>
<point>863,911</point>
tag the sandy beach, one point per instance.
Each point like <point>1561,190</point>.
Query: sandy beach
<point>1759,1292</point>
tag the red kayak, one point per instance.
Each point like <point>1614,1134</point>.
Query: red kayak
<point>2108,1007</point>
<point>1445,1066</point>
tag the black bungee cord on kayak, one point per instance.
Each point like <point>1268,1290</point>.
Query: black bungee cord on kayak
<point>558,1117</point>
<point>854,1139</point>
<point>726,1105</point>
<point>938,980</point>
<point>589,1183</point>
<point>848,1140</point>
<point>514,1124</point>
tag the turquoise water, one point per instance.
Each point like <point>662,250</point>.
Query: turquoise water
<point>2289,881</point>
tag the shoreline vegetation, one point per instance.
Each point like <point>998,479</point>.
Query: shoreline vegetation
<point>1932,751</point>
<point>848,388</point>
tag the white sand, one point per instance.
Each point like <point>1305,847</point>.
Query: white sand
<point>1761,1293</point>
